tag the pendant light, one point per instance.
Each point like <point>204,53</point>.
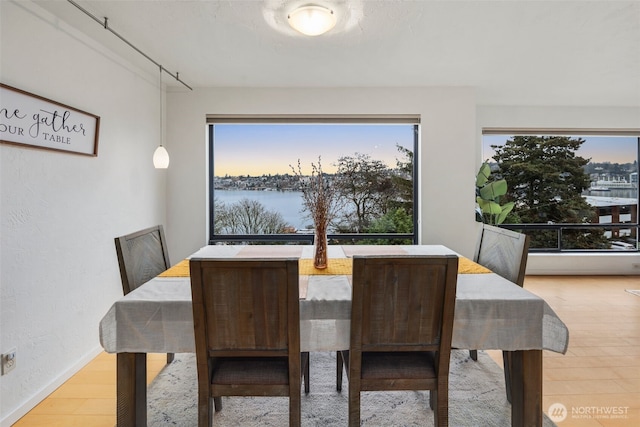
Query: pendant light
<point>161,156</point>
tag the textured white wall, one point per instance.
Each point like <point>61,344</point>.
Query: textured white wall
<point>447,150</point>
<point>60,212</point>
<point>576,118</point>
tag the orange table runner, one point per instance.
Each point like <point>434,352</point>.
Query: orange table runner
<point>181,269</point>
<point>336,266</point>
<point>466,266</point>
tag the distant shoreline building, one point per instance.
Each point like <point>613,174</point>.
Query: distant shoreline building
<point>607,183</point>
<point>612,210</point>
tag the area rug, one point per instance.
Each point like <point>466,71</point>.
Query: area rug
<point>476,398</point>
<point>634,292</point>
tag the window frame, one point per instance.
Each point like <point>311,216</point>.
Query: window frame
<point>342,238</point>
<point>560,227</point>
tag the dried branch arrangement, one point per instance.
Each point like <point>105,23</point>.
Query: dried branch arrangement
<point>323,205</point>
<point>320,198</point>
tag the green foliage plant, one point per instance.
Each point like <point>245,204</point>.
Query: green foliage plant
<point>488,196</point>
<point>394,221</point>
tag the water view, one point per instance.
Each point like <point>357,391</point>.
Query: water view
<point>626,193</point>
<point>287,203</point>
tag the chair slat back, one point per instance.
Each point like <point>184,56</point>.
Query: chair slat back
<point>246,306</point>
<point>141,256</point>
<point>400,302</point>
<point>504,252</point>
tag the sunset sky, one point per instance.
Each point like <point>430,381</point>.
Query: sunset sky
<point>270,149</point>
<point>257,149</point>
<point>613,149</point>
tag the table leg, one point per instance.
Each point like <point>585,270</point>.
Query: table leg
<point>131,389</point>
<point>526,388</point>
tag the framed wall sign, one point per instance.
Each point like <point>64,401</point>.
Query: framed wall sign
<point>28,119</point>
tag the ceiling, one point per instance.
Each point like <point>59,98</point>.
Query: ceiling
<point>514,52</point>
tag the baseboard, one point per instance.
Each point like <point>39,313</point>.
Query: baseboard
<point>31,403</point>
<point>586,264</point>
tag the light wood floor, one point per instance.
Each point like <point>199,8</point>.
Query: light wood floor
<point>599,373</point>
<point>601,370</point>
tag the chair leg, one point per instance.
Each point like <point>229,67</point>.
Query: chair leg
<point>339,369</point>
<point>205,417</point>
<point>305,370</point>
<point>506,362</point>
<point>473,354</point>
<point>439,403</point>
<point>354,407</point>
<point>295,411</point>
<point>342,366</point>
<point>217,403</point>
<point>355,385</point>
<point>442,406</point>
<point>170,357</point>
<point>295,414</point>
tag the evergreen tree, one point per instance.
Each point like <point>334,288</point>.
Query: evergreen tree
<point>546,180</point>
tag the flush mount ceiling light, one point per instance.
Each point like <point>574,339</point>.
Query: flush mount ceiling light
<point>312,20</point>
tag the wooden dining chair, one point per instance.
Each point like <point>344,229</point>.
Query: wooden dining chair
<point>504,252</point>
<point>247,330</point>
<point>142,256</point>
<point>402,312</point>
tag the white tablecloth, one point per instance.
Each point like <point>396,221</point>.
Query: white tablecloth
<point>490,313</point>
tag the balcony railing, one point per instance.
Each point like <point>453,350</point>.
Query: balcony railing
<point>308,238</point>
<point>619,236</point>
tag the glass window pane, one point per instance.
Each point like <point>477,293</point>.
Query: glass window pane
<point>569,179</point>
<point>257,170</point>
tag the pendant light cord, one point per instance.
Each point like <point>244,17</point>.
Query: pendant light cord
<point>105,24</point>
<point>161,117</point>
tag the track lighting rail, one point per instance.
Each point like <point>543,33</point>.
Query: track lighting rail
<point>105,24</point>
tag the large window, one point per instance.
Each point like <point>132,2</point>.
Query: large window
<point>257,167</point>
<point>572,191</point>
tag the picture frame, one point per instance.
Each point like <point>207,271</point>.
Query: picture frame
<point>30,120</point>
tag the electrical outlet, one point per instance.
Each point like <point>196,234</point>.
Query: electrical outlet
<point>8,361</point>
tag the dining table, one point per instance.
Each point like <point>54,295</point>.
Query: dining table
<point>491,313</point>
